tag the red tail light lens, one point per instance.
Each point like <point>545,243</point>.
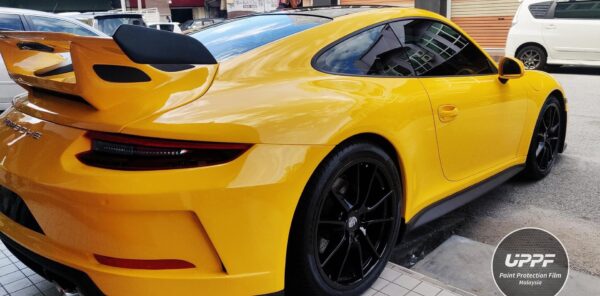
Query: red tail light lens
<point>144,264</point>
<point>133,153</point>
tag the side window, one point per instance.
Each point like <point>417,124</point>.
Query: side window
<point>540,10</point>
<point>46,24</point>
<point>375,52</point>
<point>406,48</point>
<point>10,22</point>
<point>578,10</point>
<point>436,49</point>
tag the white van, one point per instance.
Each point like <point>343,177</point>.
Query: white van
<point>558,32</point>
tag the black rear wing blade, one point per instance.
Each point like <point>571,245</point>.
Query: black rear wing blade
<point>150,46</point>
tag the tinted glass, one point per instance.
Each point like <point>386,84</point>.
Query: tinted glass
<point>435,49</point>
<point>540,10</point>
<point>578,10</point>
<point>237,36</point>
<point>169,28</point>
<point>376,52</point>
<point>46,24</point>
<point>109,25</point>
<point>10,22</point>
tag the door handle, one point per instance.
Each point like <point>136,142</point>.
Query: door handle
<point>551,27</point>
<point>447,113</point>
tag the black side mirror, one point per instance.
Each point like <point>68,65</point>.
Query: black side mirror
<point>510,68</point>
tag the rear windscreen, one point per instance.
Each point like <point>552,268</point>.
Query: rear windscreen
<point>237,36</point>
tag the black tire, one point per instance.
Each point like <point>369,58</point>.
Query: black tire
<point>533,57</point>
<point>328,227</point>
<point>545,141</point>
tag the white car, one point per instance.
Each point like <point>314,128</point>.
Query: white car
<point>108,21</point>
<point>558,32</point>
<point>12,19</point>
<point>166,26</point>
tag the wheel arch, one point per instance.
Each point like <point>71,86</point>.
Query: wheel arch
<point>531,44</point>
<point>389,148</point>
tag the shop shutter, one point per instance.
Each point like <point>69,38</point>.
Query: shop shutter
<point>487,21</point>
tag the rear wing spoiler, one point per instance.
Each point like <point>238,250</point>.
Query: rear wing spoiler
<point>104,71</point>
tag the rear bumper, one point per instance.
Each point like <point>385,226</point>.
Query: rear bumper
<point>52,270</point>
<point>231,221</point>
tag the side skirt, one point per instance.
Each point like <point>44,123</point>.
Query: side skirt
<point>457,200</point>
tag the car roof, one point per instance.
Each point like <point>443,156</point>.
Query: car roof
<point>329,11</point>
<point>49,15</point>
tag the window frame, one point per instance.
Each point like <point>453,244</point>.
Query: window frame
<point>552,12</point>
<point>313,61</point>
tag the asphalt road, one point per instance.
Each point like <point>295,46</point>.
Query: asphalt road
<point>567,202</point>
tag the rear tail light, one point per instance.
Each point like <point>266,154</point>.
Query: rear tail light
<point>133,153</point>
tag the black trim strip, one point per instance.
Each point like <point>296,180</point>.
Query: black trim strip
<point>457,200</point>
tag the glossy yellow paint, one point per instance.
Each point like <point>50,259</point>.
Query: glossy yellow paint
<point>449,133</point>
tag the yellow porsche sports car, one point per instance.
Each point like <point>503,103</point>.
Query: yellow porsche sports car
<point>287,151</point>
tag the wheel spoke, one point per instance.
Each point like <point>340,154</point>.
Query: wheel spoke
<point>364,202</point>
<point>357,184</point>
<point>539,149</point>
<point>550,152</point>
<point>344,261</point>
<point>342,201</point>
<point>546,125</point>
<point>369,209</point>
<point>334,251</point>
<point>360,260</point>
<point>378,221</point>
<point>332,222</point>
<point>540,157</point>
<point>370,245</point>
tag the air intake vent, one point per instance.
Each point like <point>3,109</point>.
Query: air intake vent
<point>121,74</point>
<point>15,208</point>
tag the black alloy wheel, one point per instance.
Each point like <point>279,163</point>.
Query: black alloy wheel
<point>355,222</point>
<point>347,224</point>
<point>546,140</point>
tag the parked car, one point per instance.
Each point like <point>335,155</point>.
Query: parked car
<point>287,150</point>
<point>109,21</point>
<point>12,19</point>
<point>556,33</point>
<point>166,26</point>
<point>199,23</point>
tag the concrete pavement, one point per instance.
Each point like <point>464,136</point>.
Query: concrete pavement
<point>466,264</point>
